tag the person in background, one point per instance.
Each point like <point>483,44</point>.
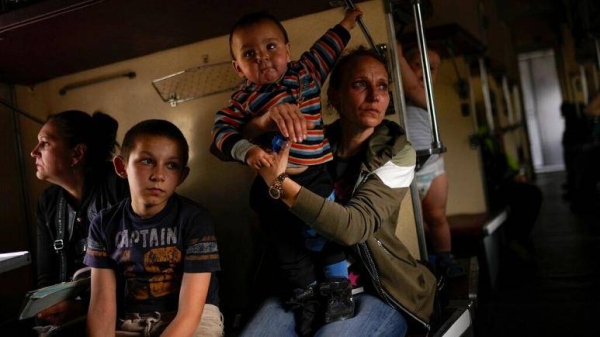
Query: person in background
<point>372,168</point>
<point>153,255</point>
<point>432,180</point>
<point>586,162</point>
<point>510,187</point>
<point>261,56</point>
<point>73,154</point>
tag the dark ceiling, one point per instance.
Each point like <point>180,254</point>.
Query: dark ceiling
<point>49,38</point>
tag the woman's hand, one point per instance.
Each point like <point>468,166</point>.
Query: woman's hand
<point>62,312</point>
<point>289,188</point>
<point>285,118</point>
<point>278,165</point>
<point>289,121</point>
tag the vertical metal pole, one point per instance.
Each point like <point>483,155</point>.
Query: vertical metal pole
<point>509,106</point>
<point>584,85</point>
<point>472,106</point>
<point>595,76</point>
<point>597,41</point>
<point>507,100</point>
<point>398,95</point>
<point>517,98</point>
<point>395,71</point>
<point>416,201</point>
<point>486,94</point>
<point>574,86</point>
<point>436,142</point>
<point>476,133</point>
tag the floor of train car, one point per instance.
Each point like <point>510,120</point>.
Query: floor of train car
<point>558,293</point>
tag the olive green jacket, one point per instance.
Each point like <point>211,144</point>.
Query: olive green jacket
<point>368,221</point>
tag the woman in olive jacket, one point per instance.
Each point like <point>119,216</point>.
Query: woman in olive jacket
<point>372,169</point>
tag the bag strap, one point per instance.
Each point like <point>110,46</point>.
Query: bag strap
<point>61,238</point>
<point>59,242</point>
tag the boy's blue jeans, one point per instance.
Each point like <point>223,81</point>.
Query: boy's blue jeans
<point>373,318</point>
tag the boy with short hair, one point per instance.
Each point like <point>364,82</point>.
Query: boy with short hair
<point>153,255</point>
<point>261,56</point>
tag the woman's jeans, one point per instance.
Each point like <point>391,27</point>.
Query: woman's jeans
<point>373,318</point>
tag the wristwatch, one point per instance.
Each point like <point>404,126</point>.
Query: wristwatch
<point>276,189</point>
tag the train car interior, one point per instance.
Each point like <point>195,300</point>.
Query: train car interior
<point>514,112</point>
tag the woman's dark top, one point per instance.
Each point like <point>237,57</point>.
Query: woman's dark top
<point>103,188</point>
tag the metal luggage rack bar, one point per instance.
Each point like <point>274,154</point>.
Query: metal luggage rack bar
<point>196,82</point>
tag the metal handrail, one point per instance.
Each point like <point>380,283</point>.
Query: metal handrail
<point>436,144</point>
<point>363,28</point>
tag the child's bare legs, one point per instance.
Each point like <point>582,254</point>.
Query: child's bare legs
<point>434,213</point>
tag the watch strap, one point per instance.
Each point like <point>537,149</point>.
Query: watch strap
<point>276,189</point>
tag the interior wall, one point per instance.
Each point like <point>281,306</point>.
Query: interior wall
<point>17,235</point>
<point>462,164</point>
<point>501,119</point>
<point>221,187</point>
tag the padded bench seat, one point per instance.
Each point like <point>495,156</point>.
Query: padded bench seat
<point>468,230</point>
<point>478,235</point>
<point>467,225</point>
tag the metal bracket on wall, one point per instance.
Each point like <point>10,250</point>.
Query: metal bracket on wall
<point>196,82</point>
<point>63,91</point>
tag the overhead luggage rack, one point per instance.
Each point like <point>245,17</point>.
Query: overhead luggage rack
<point>196,82</point>
<point>453,37</point>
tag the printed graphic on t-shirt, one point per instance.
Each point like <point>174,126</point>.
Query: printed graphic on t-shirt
<point>147,238</point>
<point>161,261</point>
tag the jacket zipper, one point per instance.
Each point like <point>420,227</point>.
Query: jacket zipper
<point>368,261</point>
<point>382,246</point>
<point>362,177</point>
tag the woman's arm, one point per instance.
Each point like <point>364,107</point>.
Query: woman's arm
<point>373,203</point>
<point>285,118</point>
<point>192,297</point>
<point>371,206</point>
<point>413,90</point>
<point>102,314</point>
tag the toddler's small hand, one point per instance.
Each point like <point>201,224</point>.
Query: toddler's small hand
<point>258,158</point>
<point>350,17</point>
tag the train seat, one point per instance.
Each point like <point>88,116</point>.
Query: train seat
<point>479,235</point>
